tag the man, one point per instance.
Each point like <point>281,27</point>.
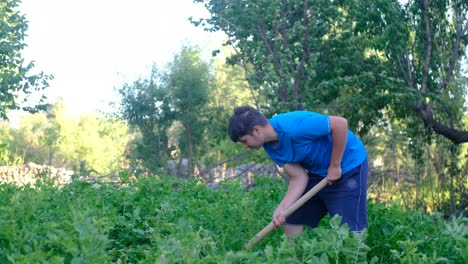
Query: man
<point>310,146</point>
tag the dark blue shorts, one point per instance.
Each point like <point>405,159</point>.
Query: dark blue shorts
<point>346,197</point>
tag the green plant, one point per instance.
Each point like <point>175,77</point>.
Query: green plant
<point>162,219</point>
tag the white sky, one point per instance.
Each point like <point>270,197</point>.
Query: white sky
<point>91,46</point>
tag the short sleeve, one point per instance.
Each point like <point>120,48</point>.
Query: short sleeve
<point>280,163</point>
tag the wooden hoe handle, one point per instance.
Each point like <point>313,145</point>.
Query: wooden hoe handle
<point>291,209</point>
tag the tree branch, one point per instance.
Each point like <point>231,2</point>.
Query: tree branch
<point>247,72</point>
<point>427,44</point>
<point>456,49</point>
<point>305,53</point>
<point>455,135</point>
<point>284,34</point>
<point>261,31</point>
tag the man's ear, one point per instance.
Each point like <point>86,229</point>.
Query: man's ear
<point>256,130</point>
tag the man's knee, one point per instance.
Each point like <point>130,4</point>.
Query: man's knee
<point>293,230</point>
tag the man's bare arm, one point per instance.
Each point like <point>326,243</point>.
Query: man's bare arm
<point>297,184</point>
<point>339,132</point>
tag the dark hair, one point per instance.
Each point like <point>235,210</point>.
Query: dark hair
<point>243,120</point>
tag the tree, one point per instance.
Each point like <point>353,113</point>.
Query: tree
<point>273,55</point>
<point>15,78</point>
<point>92,144</point>
<point>146,106</point>
<point>189,82</point>
<point>296,54</point>
<point>29,139</point>
<point>88,144</point>
<point>423,44</point>
<point>230,86</point>
<point>353,57</point>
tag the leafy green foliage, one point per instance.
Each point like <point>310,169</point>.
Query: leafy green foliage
<point>422,45</point>
<point>392,68</point>
<point>15,77</point>
<point>189,83</point>
<point>419,173</point>
<point>180,112</point>
<point>414,236</point>
<point>88,144</point>
<point>145,105</point>
<point>166,220</point>
<point>301,54</point>
<point>91,144</point>
<point>357,58</point>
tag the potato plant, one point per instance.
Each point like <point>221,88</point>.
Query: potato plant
<point>166,220</point>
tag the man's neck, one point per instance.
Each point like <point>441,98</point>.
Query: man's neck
<point>270,134</point>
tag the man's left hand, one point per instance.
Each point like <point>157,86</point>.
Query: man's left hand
<point>333,174</point>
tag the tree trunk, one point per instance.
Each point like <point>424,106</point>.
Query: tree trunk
<point>190,150</point>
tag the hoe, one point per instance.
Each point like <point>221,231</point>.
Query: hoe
<point>291,209</point>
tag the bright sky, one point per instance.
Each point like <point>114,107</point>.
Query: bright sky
<point>91,46</point>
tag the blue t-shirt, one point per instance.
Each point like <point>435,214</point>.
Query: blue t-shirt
<point>305,137</point>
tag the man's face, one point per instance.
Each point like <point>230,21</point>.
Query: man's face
<point>251,141</point>
<point>254,141</point>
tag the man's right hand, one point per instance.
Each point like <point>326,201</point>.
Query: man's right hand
<point>278,217</point>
